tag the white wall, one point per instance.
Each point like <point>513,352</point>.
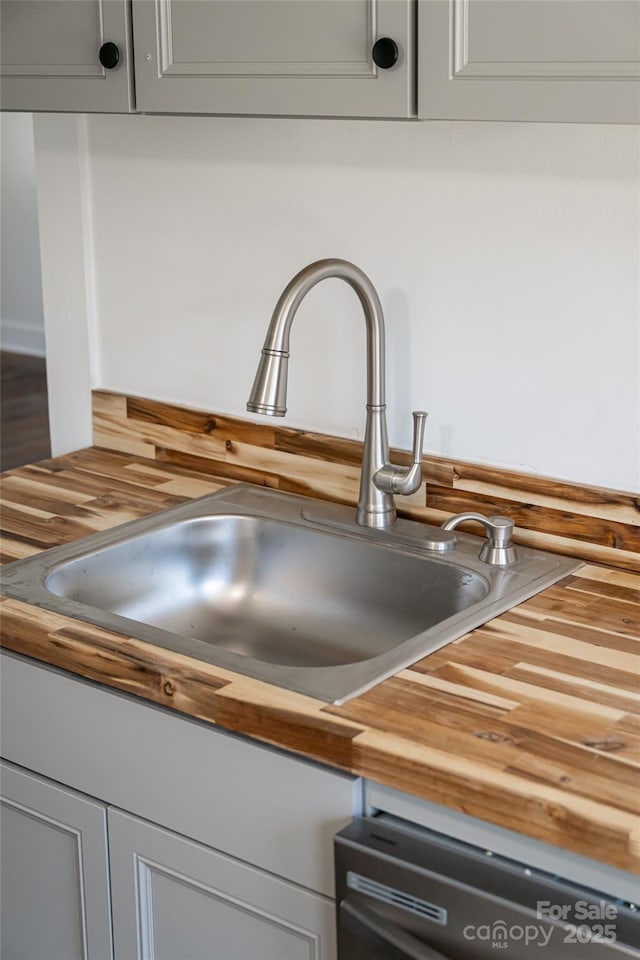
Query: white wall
<point>506,257</point>
<point>21,320</point>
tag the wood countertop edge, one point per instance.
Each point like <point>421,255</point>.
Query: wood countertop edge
<point>300,724</point>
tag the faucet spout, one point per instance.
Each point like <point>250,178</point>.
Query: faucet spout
<point>376,506</point>
<point>275,352</point>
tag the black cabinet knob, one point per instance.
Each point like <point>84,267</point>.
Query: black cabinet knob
<point>385,52</point>
<point>109,55</point>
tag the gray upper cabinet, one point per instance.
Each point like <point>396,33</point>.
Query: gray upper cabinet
<point>572,60</point>
<point>55,879</point>
<point>50,55</point>
<point>308,57</point>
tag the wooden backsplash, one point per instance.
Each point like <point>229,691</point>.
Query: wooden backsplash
<point>592,523</point>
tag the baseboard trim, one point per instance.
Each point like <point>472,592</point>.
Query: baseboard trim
<point>19,337</point>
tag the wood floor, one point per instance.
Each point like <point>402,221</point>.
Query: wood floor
<point>24,414</point>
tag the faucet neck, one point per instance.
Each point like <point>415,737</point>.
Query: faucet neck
<point>379,480</point>
<point>277,339</point>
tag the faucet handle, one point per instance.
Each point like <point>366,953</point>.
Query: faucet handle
<point>405,480</point>
<point>419,424</point>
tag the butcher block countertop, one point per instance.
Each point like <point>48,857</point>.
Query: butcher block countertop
<point>531,722</point>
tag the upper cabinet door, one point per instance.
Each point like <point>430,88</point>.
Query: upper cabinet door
<point>50,56</point>
<point>572,60</point>
<point>282,57</point>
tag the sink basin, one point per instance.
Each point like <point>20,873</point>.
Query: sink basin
<point>279,587</point>
<point>270,590</point>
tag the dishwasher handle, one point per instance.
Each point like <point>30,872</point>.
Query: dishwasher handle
<point>387,939</point>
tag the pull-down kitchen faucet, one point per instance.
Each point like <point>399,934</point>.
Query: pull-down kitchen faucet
<point>380,479</point>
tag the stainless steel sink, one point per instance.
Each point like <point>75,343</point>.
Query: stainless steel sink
<point>282,588</point>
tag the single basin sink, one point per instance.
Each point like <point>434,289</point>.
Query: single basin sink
<point>270,590</point>
<point>279,587</point>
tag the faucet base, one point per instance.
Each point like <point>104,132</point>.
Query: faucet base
<point>376,520</point>
<point>376,507</point>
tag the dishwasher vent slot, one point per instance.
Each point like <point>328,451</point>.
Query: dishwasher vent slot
<point>379,891</point>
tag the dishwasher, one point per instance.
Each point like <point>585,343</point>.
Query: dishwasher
<point>408,893</point>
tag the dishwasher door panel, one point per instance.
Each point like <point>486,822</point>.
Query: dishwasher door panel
<point>406,893</point>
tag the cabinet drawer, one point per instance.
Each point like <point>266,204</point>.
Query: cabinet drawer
<point>252,802</point>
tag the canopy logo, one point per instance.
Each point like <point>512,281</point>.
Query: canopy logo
<point>500,935</point>
<point>562,920</point>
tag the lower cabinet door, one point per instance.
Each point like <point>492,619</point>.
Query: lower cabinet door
<point>174,899</point>
<point>54,873</point>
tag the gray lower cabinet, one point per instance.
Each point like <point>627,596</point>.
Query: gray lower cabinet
<point>571,60</point>
<point>54,871</point>
<point>50,56</point>
<point>218,847</point>
<point>174,899</point>
<point>171,898</point>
